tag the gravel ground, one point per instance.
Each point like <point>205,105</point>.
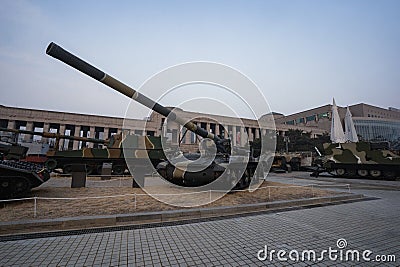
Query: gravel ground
<point>125,201</point>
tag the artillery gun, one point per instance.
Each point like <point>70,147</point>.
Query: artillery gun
<point>176,170</point>
<point>112,153</point>
<point>56,136</point>
<point>94,158</point>
<point>360,159</point>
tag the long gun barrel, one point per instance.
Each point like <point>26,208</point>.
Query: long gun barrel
<point>55,135</point>
<point>61,54</point>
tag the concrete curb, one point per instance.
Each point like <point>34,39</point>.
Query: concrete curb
<point>146,218</point>
<point>358,183</point>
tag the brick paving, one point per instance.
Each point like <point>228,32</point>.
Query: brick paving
<point>369,225</point>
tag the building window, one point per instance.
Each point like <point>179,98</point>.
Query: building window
<point>323,115</point>
<point>374,130</point>
<point>300,120</point>
<point>310,118</point>
<point>150,133</point>
<point>3,123</point>
<point>290,122</point>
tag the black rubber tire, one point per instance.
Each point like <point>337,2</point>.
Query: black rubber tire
<point>118,169</point>
<point>51,164</point>
<point>99,169</point>
<point>67,169</point>
<point>14,186</point>
<point>89,169</point>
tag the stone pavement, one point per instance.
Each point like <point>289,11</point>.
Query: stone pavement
<point>368,225</point>
<point>325,178</point>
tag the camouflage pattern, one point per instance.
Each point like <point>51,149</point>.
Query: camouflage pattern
<point>198,169</point>
<point>57,136</point>
<point>359,159</point>
<point>136,148</point>
<point>209,173</point>
<point>286,161</point>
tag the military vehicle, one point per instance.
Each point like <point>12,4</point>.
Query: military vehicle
<point>361,159</point>
<point>13,151</point>
<point>175,169</point>
<point>286,162</point>
<point>93,158</point>
<point>18,178</point>
<point>113,153</point>
<point>10,149</point>
<point>291,161</point>
<point>56,136</point>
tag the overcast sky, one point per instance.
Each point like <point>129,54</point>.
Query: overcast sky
<point>299,53</point>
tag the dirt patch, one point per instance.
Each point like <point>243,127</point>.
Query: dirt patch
<point>130,200</point>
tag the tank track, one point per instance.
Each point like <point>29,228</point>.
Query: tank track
<point>17,178</point>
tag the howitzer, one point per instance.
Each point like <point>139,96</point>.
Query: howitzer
<point>59,53</point>
<point>93,158</point>
<point>178,175</point>
<point>56,136</point>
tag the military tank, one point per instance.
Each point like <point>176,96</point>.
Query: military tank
<point>17,178</point>
<point>358,160</point>
<point>175,170</point>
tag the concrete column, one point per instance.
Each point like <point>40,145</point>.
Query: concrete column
<point>29,127</point>
<point>233,135</point>
<point>208,127</point>
<point>224,132</point>
<point>105,133</point>
<point>92,134</point>
<point>242,136</point>
<point>11,125</point>
<point>77,133</point>
<point>250,134</point>
<point>216,129</point>
<point>257,133</point>
<point>46,129</point>
<point>61,142</point>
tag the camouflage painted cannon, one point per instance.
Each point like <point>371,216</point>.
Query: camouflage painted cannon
<point>93,158</point>
<point>113,153</point>
<point>56,136</point>
<point>361,159</point>
<point>175,171</point>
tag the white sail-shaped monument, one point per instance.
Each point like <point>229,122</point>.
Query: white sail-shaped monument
<point>337,134</point>
<point>350,130</point>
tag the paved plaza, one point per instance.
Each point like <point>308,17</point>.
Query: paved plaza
<point>368,225</point>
